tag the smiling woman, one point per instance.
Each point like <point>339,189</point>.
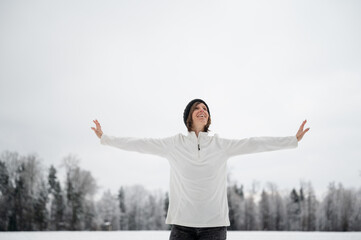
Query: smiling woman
<point>197,112</point>
<point>198,205</point>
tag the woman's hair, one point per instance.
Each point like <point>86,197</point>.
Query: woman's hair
<point>190,120</point>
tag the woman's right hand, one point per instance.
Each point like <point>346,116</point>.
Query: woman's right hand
<point>98,130</point>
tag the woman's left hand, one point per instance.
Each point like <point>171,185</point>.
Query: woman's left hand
<point>301,132</point>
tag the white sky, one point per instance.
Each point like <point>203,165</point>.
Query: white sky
<point>261,66</point>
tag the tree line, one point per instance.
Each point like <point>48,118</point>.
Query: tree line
<point>32,198</point>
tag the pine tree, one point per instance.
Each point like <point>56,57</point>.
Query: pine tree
<point>89,216</point>
<point>265,211</point>
<point>166,206</point>
<point>40,211</point>
<point>5,197</point>
<point>151,213</point>
<point>250,214</point>
<point>304,212</point>
<point>21,218</point>
<point>73,204</point>
<point>294,211</point>
<point>123,216</point>
<point>57,206</point>
<point>280,213</point>
<point>159,211</point>
<point>311,208</point>
<point>231,209</point>
<point>328,214</point>
<point>80,188</point>
<point>108,211</point>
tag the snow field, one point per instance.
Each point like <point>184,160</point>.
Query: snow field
<point>158,235</point>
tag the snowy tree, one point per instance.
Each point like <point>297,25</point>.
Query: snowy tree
<point>355,218</point>
<point>154,212</point>
<point>40,210</point>
<point>264,211</point>
<point>308,207</point>
<point>17,201</point>
<point>252,209</point>
<point>89,217</point>
<point>74,207</point>
<point>123,220</point>
<point>24,178</point>
<point>108,210</point>
<point>135,198</point>
<point>327,220</point>
<point>236,207</point>
<point>166,206</point>
<point>57,205</point>
<point>5,197</point>
<point>33,174</point>
<point>250,213</point>
<point>12,162</point>
<point>80,188</point>
<point>294,211</point>
<point>339,211</point>
<point>277,209</point>
<point>22,213</point>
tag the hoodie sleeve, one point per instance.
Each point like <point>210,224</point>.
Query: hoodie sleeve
<point>155,146</point>
<point>234,147</point>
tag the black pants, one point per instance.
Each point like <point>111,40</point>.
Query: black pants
<point>190,233</point>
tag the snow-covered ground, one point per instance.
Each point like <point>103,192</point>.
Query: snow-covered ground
<point>157,235</point>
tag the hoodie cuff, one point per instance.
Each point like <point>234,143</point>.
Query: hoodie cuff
<point>102,139</point>
<point>296,140</point>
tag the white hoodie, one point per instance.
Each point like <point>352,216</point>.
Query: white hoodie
<point>198,171</point>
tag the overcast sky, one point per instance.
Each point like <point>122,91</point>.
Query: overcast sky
<point>262,67</point>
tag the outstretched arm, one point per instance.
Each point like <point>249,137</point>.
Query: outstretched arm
<point>301,132</point>
<point>156,146</point>
<point>262,144</point>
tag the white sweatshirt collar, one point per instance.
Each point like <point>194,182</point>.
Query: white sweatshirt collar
<point>193,135</point>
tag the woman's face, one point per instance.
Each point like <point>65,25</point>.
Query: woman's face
<point>200,115</point>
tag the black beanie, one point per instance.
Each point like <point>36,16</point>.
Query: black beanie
<point>188,108</point>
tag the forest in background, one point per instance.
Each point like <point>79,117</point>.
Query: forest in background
<point>32,198</point>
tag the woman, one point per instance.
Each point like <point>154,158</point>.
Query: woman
<point>198,206</point>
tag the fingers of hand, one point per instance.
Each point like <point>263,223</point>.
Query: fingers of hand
<point>300,131</point>
<point>303,133</point>
<point>302,125</point>
<point>97,124</point>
